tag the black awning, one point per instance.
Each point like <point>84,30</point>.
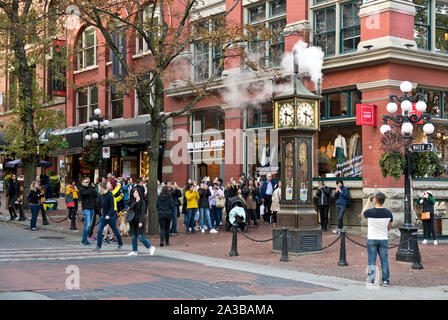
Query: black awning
<point>134,130</point>
<point>72,140</point>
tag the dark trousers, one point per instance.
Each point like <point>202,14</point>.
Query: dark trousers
<point>429,229</point>
<point>92,227</point>
<point>323,211</point>
<point>164,223</point>
<point>267,205</point>
<point>252,215</point>
<point>341,211</point>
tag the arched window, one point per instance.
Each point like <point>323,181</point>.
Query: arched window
<point>87,48</point>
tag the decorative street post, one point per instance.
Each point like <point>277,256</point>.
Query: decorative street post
<point>98,129</point>
<point>405,251</point>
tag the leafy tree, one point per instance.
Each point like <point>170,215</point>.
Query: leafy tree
<point>166,28</point>
<point>25,41</point>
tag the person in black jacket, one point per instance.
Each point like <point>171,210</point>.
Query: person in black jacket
<point>109,216</point>
<point>176,194</point>
<point>13,195</point>
<point>137,208</point>
<point>204,208</point>
<point>88,201</point>
<point>250,194</point>
<point>34,200</point>
<point>165,207</point>
<point>323,204</point>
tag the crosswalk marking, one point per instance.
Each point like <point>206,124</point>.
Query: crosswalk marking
<point>61,253</point>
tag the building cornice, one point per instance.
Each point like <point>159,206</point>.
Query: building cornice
<point>375,7</point>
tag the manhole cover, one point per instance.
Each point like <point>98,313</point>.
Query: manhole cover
<point>52,238</point>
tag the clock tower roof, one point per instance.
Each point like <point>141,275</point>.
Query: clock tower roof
<point>297,90</point>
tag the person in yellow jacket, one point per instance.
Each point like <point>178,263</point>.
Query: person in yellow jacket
<point>71,188</point>
<point>192,197</point>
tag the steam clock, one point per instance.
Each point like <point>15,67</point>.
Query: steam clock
<point>296,114</point>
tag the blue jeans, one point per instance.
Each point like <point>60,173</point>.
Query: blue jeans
<point>112,222</point>
<point>142,239</point>
<point>88,217</point>
<point>205,218</point>
<point>191,213</point>
<point>216,216</point>
<point>174,224</point>
<point>34,214</point>
<point>341,211</point>
<point>379,247</point>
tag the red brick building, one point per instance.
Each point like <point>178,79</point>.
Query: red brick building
<point>370,48</point>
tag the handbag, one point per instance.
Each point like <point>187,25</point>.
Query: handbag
<point>220,201</point>
<point>69,201</point>
<point>130,215</point>
<point>262,210</point>
<point>426,216</point>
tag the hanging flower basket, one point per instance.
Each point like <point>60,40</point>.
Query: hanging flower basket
<point>392,165</point>
<point>426,164</point>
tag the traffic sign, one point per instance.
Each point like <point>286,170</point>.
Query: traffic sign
<point>422,147</point>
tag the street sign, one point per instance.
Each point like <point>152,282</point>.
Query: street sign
<point>422,147</point>
<point>106,152</point>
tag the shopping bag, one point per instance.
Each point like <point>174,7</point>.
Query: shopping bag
<point>262,210</point>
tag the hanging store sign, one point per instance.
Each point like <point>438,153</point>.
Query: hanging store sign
<point>202,146</point>
<point>366,115</point>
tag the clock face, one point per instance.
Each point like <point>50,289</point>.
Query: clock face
<point>305,114</point>
<point>286,115</point>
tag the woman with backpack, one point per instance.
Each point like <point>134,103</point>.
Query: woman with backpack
<point>136,216</point>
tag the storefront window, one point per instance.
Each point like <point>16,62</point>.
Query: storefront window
<point>262,153</point>
<point>260,116</point>
<point>340,152</point>
<point>339,104</point>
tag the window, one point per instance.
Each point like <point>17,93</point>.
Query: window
<point>422,24</point>
<point>141,44</point>
<point>87,47</point>
<point>441,27</point>
<point>339,104</point>
<point>116,103</point>
<point>207,120</point>
<point>340,152</point>
<point>437,102</point>
<point>56,70</point>
<point>350,26</point>
<point>206,56</point>
<point>87,102</point>
<point>272,15</point>
<point>260,115</point>
<point>119,40</point>
<point>325,30</point>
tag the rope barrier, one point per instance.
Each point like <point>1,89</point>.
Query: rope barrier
<point>273,238</point>
<point>390,247</point>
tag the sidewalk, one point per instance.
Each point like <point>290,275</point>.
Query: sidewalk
<point>434,258</point>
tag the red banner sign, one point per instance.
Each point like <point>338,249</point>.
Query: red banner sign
<point>414,111</point>
<point>366,115</point>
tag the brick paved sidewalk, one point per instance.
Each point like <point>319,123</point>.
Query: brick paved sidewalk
<point>434,258</point>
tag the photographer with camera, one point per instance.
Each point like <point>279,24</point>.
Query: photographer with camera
<point>379,222</point>
<point>323,204</point>
<point>427,202</point>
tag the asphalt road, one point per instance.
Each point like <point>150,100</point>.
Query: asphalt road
<point>51,265</point>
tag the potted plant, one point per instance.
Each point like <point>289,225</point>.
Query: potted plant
<point>392,162</point>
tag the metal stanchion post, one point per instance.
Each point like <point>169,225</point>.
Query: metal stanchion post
<point>285,257</point>
<point>342,256</point>
<point>234,249</point>
<point>416,257</point>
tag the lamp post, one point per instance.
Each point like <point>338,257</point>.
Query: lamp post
<point>406,120</point>
<point>98,129</point>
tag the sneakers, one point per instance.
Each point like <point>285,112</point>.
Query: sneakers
<point>435,242</point>
<point>425,241</point>
<point>196,228</point>
<point>85,243</point>
<point>97,249</point>
<point>112,240</point>
<point>385,283</point>
<point>92,238</point>
<point>133,253</point>
<point>106,241</point>
<point>151,249</point>
<point>205,227</point>
<point>119,247</point>
<point>213,231</point>
<point>336,230</point>
<point>202,230</point>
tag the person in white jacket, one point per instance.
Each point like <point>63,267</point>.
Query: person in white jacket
<point>275,207</point>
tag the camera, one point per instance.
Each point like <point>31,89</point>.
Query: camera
<point>371,197</point>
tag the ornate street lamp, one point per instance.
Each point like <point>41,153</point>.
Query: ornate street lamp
<point>98,129</point>
<point>407,121</point>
